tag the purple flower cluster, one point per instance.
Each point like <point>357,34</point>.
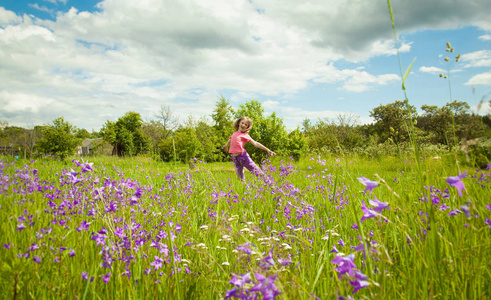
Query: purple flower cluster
<point>347,268</point>
<point>248,288</point>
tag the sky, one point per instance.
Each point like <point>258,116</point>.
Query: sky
<point>92,61</point>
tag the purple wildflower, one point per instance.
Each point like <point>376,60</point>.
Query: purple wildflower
<point>240,281</point>
<point>20,227</point>
<point>359,284</point>
<point>7,246</point>
<point>74,179</point>
<point>456,181</point>
<point>266,286</point>
<point>106,277</point>
<point>370,185</point>
<point>157,263</point>
<point>367,213</point>
<point>269,259</point>
<point>345,264</point>
<point>284,262</point>
<point>245,247</point>
<point>86,167</point>
<point>488,222</point>
<point>443,207</point>
<point>83,226</point>
<point>84,275</point>
<point>453,212</point>
<point>465,208</point>
<point>36,259</point>
<point>378,206</point>
<point>71,253</point>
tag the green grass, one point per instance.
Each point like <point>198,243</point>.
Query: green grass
<point>420,251</point>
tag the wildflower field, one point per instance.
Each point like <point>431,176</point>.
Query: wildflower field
<point>321,228</point>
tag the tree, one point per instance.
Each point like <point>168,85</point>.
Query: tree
<point>155,132</point>
<point>436,123</point>
<point>223,119</point>
<point>209,139</point>
<point>392,120</point>
<point>183,145</point>
<point>451,123</point>
<point>82,134</point>
<point>169,121</point>
<point>126,135</point>
<point>58,139</point>
<point>297,144</point>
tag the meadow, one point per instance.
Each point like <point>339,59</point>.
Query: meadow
<point>324,227</point>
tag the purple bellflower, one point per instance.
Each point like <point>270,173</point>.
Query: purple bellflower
<point>367,213</point>
<point>378,206</point>
<point>456,181</point>
<point>106,277</point>
<point>245,247</point>
<point>488,222</point>
<point>466,210</point>
<point>345,264</point>
<point>453,212</point>
<point>370,185</point>
<point>359,284</point>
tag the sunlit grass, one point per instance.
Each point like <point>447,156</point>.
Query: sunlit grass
<point>170,231</point>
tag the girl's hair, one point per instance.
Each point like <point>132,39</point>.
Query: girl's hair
<point>237,122</point>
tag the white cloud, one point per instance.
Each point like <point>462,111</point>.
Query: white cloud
<point>18,102</point>
<point>139,55</point>
<point>480,79</point>
<point>482,108</point>
<point>41,8</point>
<point>8,17</point>
<point>270,104</point>
<point>431,70</point>
<point>477,59</point>
<point>486,37</point>
<point>56,1</point>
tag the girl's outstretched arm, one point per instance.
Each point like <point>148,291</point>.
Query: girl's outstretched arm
<point>225,147</point>
<point>261,146</point>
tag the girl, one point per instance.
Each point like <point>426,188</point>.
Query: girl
<point>239,155</point>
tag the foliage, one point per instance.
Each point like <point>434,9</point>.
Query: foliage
<point>82,134</point>
<point>340,135</point>
<point>451,123</point>
<point>297,144</point>
<point>182,146</point>
<point>223,120</point>
<point>155,131</point>
<point>392,120</point>
<point>211,143</point>
<point>13,139</point>
<point>126,135</point>
<point>58,139</point>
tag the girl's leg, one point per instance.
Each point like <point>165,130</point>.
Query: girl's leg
<point>252,167</point>
<point>239,168</point>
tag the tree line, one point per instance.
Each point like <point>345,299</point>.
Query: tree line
<point>168,138</point>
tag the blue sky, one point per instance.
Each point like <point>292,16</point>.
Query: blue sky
<point>93,61</point>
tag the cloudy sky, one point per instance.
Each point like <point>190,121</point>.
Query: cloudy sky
<point>91,61</point>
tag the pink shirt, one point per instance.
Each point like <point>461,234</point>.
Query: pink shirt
<point>237,142</point>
